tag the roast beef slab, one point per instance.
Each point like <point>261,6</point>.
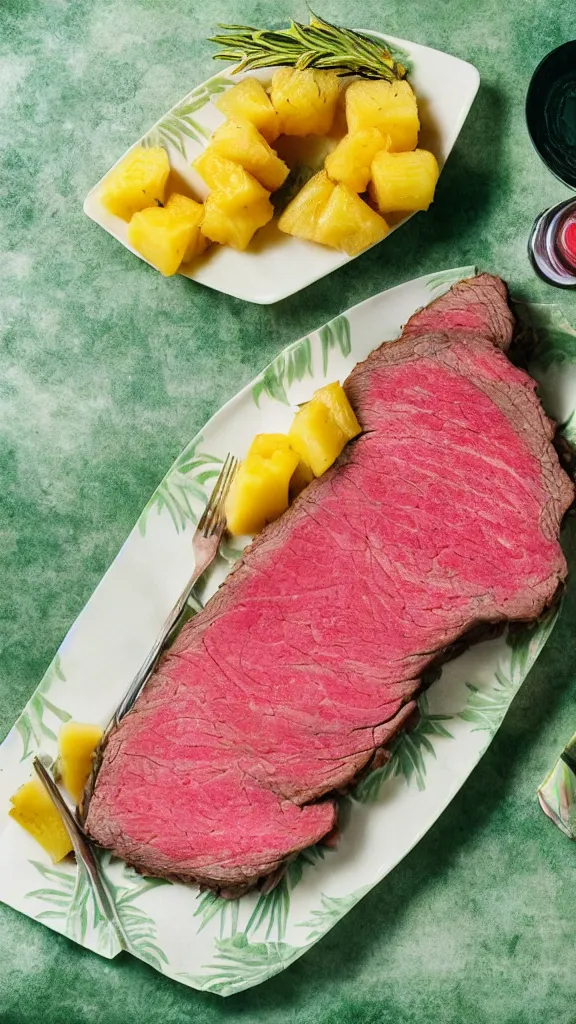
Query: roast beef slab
<point>442,516</point>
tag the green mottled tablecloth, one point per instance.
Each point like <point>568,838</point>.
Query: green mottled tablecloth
<point>106,369</point>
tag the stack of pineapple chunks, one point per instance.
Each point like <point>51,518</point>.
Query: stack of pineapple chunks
<point>379,153</point>
<point>167,234</point>
<point>279,466</point>
<point>240,167</point>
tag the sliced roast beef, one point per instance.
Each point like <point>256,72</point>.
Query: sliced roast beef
<point>442,516</point>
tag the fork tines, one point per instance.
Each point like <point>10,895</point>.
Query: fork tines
<point>213,517</point>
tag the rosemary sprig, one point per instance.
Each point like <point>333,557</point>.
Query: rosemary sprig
<point>317,45</point>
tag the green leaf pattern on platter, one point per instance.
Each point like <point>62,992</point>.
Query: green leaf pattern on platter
<point>273,909</point>
<point>42,717</point>
<point>408,754</point>
<point>293,364</point>
<point>271,913</point>
<point>182,493</point>
<point>485,709</point>
<point>239,963</point>
<point>179,124</point>
<point>211,906</point>
<point>335,335</point>
<point>70,900</point>
<point>332,908</point>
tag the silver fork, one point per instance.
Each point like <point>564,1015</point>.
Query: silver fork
<point>85,853</point>
<point>205,544</point>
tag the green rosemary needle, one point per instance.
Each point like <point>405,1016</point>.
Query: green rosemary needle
<point>317,45</point>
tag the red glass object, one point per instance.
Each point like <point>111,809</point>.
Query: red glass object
<point>552,244</point>
<point>567,243</point>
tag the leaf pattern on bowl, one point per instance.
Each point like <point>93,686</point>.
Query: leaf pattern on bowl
<point>179,124</point>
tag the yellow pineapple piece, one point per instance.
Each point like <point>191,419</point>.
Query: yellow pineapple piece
<point>189,210</point>
<point>259,491</point>
<point>404,182</point>
<point>250,101</point>
<point>336,401</point>
<point>241,142</point>
<point>161,238</point>
<point>76,745</point>
<point>389,106</point>
<point>305,100</point>
<point>241,188</point>
<point>33,809</point>
<point>316,436</point>
<point>232,226</point>
<point>267,444</point>
<point>301,216</point>
<point>137,182</point>
<point>348,223</point>
<point>351,161</point>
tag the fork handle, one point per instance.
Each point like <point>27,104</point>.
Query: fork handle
<point>85,854</point>
<point>148,664</point>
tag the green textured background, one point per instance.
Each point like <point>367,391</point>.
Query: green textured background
<point>106,370</point>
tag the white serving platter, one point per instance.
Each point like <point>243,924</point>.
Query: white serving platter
<point>199,939</point>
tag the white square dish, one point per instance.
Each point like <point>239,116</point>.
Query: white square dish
<point>277,265</point>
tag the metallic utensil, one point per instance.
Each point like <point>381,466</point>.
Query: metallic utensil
<point>85,853</point>
<point>205,544</point>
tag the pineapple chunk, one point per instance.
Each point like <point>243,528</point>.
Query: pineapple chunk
<point>188,209</point>
<point>161,237</point>
<point>336,401</point>
<point>250,101</point>
<point>351,161</point>
<point>348,223</point>
<point>137,182</point>
<point>404,182</point>
<point>76,745</point>
<point>259,491</point>
<point>234,227</point>
<point>316,436</point>
<point>33,809</point>
<point>389,106</point>
<point>267,444</point>
<point>301,216</point>
<point>241,188</point>
<point>240,141</point>
<point>304,100</point>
